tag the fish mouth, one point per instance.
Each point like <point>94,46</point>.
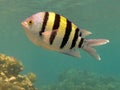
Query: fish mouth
<point>24,25</point>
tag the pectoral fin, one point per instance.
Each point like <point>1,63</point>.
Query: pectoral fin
<point>48,36</point>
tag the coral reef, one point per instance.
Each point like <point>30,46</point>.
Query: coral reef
<point>83,80</point>
<point>10,78</point>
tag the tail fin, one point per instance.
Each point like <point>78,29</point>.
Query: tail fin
<point>94,42</point>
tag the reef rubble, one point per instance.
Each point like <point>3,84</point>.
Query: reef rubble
<point>10,77</point>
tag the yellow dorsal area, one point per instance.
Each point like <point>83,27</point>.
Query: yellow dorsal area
<point>50,21</point>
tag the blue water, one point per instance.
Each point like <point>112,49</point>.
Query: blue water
<point>101,17</point>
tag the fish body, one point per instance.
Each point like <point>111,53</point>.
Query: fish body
<point>55,32</point>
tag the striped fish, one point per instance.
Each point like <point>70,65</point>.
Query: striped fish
<point>55,32</point>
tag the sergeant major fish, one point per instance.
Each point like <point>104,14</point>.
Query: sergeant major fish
<point>55,32</point>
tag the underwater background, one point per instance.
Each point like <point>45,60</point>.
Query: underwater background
<point>101,17</point>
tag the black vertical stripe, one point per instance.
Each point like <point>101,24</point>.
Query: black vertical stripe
<point>80,34</point>
<point>55,27</point>
<point>67,34</point>
<point>44,23</point>
<point>81,42</point>
<point>56,22</point>
<point>75,38</point>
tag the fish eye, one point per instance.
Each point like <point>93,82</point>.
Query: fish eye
<point>30,22</point>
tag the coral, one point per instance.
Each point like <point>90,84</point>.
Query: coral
<point>10,77</point>
<point>84,80</point>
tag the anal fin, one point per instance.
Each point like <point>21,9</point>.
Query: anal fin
<point>73,52</point>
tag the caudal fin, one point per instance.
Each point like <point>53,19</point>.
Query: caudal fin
<point>94,42</point>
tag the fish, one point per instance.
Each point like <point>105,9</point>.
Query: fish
<point>55,32</point>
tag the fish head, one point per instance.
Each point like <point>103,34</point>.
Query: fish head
<point>32,26</point>
<point>33,23</point>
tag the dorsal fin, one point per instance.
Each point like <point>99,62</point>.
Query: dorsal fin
<point>85,33</point>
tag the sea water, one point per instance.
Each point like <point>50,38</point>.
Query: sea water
<point>101,17</point>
